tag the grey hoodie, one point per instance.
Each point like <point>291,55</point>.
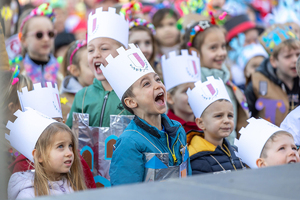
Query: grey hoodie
<point>70,85</point>
<point>20,186</point>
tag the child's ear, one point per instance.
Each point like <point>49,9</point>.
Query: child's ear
<point>12,107</point>
<point>40,160</point>
<point>74,71</point>
<point>261,163</point>
<point>194,49</point>
<point>130,102</point>
<point>199,123</point>
<point>170,99</point>
<point>273,61</point>
<point>23,41</point>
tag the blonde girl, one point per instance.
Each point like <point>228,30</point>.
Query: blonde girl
<point>57,166</point>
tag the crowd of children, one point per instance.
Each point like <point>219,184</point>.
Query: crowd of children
<point>200,86</point>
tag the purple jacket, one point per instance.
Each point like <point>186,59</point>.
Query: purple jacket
<point>20,186</point>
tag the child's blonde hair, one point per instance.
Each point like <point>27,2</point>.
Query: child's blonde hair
<point>271,140</point>
<point>171,92</point>
<point>43,145</point>
<point>9,92</point>
<point>75,59</point>
<point>289,43</point>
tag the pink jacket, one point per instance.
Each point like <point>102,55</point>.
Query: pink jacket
<point>20,186</point>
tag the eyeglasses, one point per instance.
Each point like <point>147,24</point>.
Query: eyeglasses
<point>40,34</point>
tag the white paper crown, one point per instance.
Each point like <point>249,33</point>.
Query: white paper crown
<point>108,24</point>
<point>123,70</point>
<point>26,130</point>
<point>253,138</point>
<point>204,94</point>
<point>250,51</point>
<point>180,69</point>
<point>43,99</point>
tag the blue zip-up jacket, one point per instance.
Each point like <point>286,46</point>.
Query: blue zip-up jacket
<point>128,162</point>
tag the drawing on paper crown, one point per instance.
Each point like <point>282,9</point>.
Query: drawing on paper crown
<point>209,92</point>
<point>191,61</point>
<point>43,99</point>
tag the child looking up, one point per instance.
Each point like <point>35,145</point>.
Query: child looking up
<point>180,73</point>
<point>167,34</point>
<point>209,150</point>
<point>274,88</point>
<point>37,38</point>
<point>99,100</point>
<point>151,131</point>
<point>208,40</point>
<point>52,147</point>
<point>263,144</point>
<point>76,72</point>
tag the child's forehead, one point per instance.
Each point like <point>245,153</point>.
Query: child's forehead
<point>102,41</point>
<point>217,105</point>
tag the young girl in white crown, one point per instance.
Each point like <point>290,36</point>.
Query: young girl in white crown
<point>53,148</point>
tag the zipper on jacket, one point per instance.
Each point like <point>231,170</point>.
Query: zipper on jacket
<point>172,152</point>
<point>43,80</point>
<point>103,108</point>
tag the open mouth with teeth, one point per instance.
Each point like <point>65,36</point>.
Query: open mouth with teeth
<point>160,98</point>
<point>97,67</point>
<point>68,162</point>
<point>292,161</point>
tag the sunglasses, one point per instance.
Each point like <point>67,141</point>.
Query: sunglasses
<point>40,34</point>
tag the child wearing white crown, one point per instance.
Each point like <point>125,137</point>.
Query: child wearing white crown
<point>151,131</point>
<point>52,147</point>
<point>180,73</point>
<point>99,100</point>
<point>263,144</point>
<point>209,150</point>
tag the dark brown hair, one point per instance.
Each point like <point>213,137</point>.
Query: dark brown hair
<point>160,14</point>
<point>128,93</point>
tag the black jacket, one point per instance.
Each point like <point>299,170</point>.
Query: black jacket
<point>205,157</point>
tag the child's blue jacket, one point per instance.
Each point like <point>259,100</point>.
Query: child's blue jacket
<point>128,162</point>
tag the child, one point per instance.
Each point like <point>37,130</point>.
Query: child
<point>208,40</point>
<point>99,100</point>
<point>76,72</point>
<point>45,100</point>
<point>151,131</point>
<point>142,33</point>
<point>180,73</point>
<point>37,37</point>
<point>274,90</point>
<point>167,34</point>
<point>209,150</point>
<point>290,123</point>
<point>52,147</point>
<point>263,144</point>
<point>246,58</point>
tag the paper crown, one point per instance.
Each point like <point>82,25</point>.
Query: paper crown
<point>253,138</point>
<point>180,69</point>
<point>108,24</point>
<point>43,99</point>
<point>26,130</point>
<point>204,94</point>
<point>250,51</point>
<point>123,70</point>
<point>274,35</point>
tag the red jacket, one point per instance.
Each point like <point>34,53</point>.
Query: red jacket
<point>186,125</point>
<point>23,164</point>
